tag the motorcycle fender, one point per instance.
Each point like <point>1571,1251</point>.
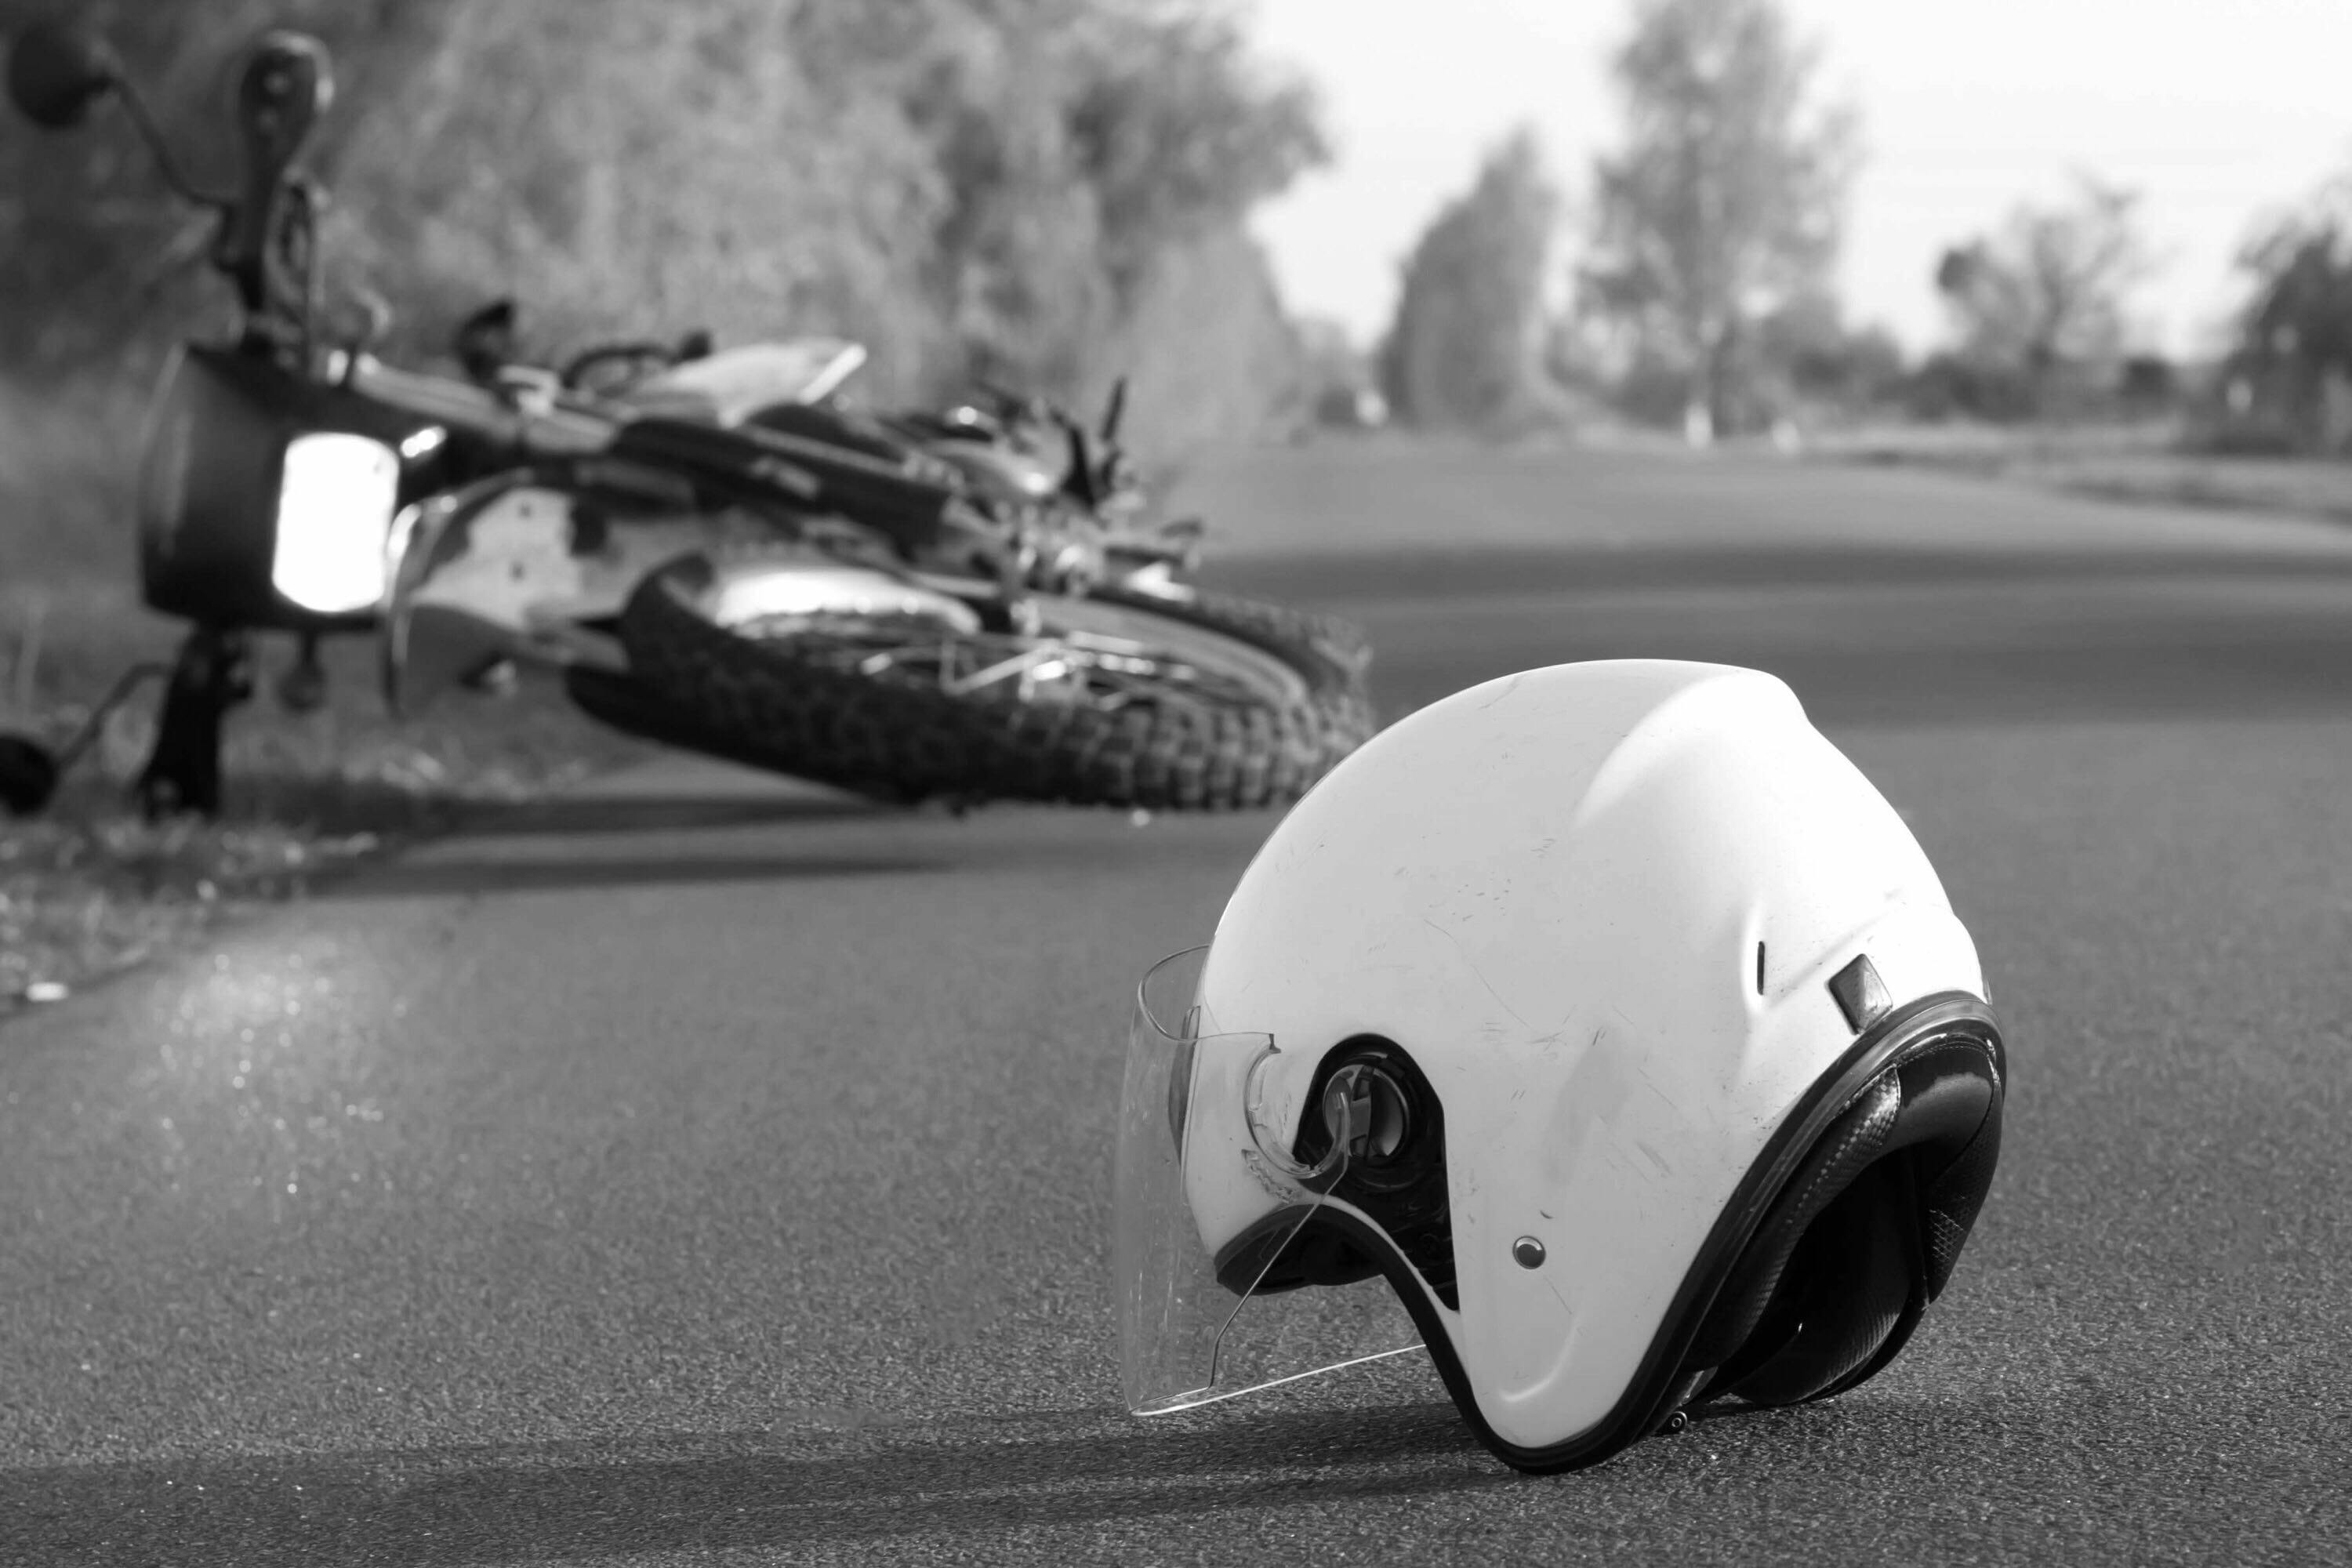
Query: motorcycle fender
<point>768,588</point>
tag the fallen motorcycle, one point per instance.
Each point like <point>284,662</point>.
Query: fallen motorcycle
<point>863,613</point>
<point>1014,448</point>
<point>1013,452</point>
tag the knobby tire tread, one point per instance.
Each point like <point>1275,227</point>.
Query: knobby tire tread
<point>912,742</point>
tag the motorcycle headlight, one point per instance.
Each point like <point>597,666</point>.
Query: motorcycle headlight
<point>336,497</point>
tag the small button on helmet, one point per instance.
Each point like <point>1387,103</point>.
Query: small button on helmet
<point>1600,1030</point>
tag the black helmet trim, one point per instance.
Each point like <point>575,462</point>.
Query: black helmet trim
<point>1858,1243</point>
<point>1663,1382</point>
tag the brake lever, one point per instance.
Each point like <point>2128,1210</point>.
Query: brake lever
<point>1021,408</point>
<point>528,389</point>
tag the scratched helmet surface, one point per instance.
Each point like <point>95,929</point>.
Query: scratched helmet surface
<point>1601,1032</point>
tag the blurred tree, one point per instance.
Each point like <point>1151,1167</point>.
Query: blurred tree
<point>93,250</point>
<point>1950,385</point>
<point>2042,301</point>
<point>1466,348</point>
<point>1805,352</point>
<point>2148,383</point>
<point>1341,380</point>
<point>2293,357</point>
<point>1082,142</point>
<point>1212,356</point>
<point>657,168</point>
<point>1727,201</point>
<point>963,185</point>
<point>1174,128</point>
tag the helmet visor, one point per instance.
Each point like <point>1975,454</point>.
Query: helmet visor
<point>1214,1245</point>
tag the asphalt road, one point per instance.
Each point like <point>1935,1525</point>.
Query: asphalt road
<point>705,1170</point>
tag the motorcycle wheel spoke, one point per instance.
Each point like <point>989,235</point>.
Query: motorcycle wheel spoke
<point>1110,673</point>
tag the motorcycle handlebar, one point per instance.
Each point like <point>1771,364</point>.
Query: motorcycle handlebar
<point>568,432</point>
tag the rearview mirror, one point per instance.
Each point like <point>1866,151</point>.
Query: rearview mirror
<point>57,71</point>
<point>485,341</point>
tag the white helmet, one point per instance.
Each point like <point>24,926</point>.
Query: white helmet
<point>1601,1028</point>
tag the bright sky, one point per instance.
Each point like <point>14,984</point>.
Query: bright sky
<point>2217,109</point>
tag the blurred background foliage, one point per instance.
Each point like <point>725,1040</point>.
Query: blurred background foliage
<point>1690,284</point>
<point>1467,347</point>
<point>1051,192</point>
<point>2288,381</point>
<point>1056,191</point>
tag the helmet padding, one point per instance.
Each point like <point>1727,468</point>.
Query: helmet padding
<point>1862,1238</point>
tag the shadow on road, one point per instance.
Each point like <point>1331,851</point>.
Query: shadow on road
<point>592,816</point>
<point>490,874</point>
<point>580,1499</point>
<point>340,807</point>
<point>2073,1472</point>
<point>664,814</point>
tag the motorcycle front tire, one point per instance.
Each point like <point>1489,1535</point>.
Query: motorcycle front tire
<point>796,706</point>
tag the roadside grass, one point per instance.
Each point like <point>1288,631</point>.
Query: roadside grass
<point>68,473</point>
<point>88,888</point>
<point>2149,464</point>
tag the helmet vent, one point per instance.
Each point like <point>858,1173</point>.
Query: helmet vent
<point>1860,995</point>
<point>1367,1114</point>
<point>1373,1099</point>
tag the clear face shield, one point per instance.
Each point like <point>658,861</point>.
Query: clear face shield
<point>1227,1283</point>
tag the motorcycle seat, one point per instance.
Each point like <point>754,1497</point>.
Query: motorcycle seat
<point>726,388</point>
